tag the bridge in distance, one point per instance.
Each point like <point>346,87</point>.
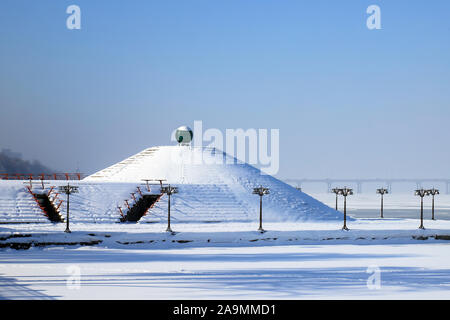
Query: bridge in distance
<point>329,183</point>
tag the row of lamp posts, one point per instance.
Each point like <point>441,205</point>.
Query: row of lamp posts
<point>169,190</point>
<point>382,191</point>
<point>262,191</point>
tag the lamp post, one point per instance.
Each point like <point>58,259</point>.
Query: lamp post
<point>382,192</point>
<point>337,192</point>
<point>169,191</point>
<point>421,193</point>
<point>432,192</point>
<point>345,192</point>
<point>68,190</point>
<point>261,191</point>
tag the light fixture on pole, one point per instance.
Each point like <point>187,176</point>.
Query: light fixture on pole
<point>345,192</point>
<point>169,191</point>
<point>261,191</point>
<point>382,192</point>
<point>337,192</point>
<point>68,190</point>
<point>432,192</point>
<point>421,193</point>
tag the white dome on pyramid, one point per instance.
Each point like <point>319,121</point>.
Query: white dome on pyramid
<point>213,187</point>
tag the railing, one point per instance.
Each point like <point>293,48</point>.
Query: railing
<point>140,203</point>
<point>47,205</point>
<point>42,176</point>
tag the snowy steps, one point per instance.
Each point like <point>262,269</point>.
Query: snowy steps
<point>127,163</point>
<point>203,202</point>
<point>22,209</point>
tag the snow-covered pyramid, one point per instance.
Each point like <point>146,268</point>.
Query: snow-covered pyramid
<point>212,187</point>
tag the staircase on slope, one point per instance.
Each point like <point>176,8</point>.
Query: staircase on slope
<point>96,203</point>
<point>46,199</point>
<point>201,203</point>
<point>50,210</point>
<point>140,207</point>
<point>20,209</point>
<point>129,162</point>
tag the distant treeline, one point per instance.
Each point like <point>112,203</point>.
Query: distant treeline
<point>11,162</point>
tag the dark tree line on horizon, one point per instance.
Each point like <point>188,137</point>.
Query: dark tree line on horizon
<point>11,162</point>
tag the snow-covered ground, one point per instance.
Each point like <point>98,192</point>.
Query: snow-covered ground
<point>336,271</point>
<point>229,261</point>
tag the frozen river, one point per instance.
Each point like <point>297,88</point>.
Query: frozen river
<point>396,205</point>
<point>376,259</point>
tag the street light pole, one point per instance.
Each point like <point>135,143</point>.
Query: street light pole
<point>67,219</point>
<point>421,193</point>
<point>261,191</point>
<point>345,214</point>
<point>432,192</point>
<point>260,214</point>
<point>345,192</point>
<point>432,207</point>
<point>169,191</point>
<point>382,191</point>
<point>168,215</point>
<point>421,214</point>
<point>68,190</point>
<point>337,192</point>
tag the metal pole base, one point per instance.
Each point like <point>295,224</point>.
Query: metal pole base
<point>422,227</point>
<point>261,230</point>
<point>345,228</point>
<point>67,231</point>
<point>169,230</point>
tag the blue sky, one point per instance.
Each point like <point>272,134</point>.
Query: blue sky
<point>349,102</point>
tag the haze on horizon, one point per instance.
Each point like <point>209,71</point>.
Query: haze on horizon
<point>348,101</point>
